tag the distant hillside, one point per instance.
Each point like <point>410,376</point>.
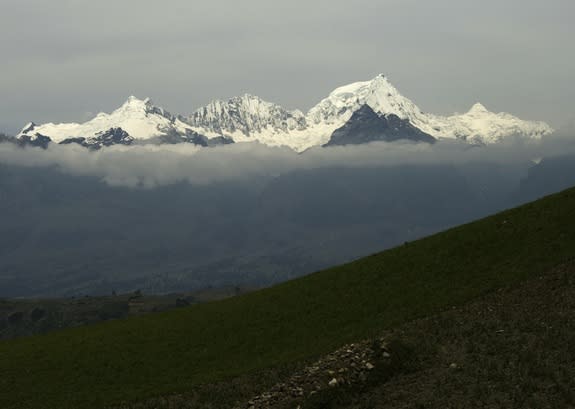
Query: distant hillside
<point>552,174</point>
<point>25,317</point>
<point>92,239</point>
<point>168,353</point>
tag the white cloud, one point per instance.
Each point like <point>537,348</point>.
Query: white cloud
<point>152,165</point>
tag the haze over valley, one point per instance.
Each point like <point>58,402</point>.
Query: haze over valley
<point>167,218</point>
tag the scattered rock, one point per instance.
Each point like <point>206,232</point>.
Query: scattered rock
<point>350,365</point>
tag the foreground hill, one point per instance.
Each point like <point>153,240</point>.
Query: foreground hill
<point>509,349</point>
<point>172,352</point>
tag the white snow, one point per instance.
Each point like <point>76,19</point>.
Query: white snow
<point>249,118</point>
<point>478,125</point>
<point>137,117</point>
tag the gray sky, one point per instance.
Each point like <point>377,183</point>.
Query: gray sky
<point>65,60</point>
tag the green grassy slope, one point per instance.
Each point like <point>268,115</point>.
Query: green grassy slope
<point>94,366</point>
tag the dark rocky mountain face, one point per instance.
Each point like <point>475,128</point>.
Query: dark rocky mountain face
<point>113,136</point>
<point>173,138</point>
<point>366,126</point>
<point>33,139</point>
<point>117,136</point>
<point>37,140</point>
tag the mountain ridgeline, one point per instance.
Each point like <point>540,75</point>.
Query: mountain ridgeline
<point>333,121</point>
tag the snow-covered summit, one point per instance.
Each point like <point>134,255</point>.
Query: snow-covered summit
<point>378,93</point>
<point>141,119</point>
<point>246,115</point>
<point>249,118</point>
<point>479,125</point>
<point>477,109</point>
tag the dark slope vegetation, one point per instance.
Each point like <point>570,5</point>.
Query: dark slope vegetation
<point>512,348</point>
<point>92,367</point>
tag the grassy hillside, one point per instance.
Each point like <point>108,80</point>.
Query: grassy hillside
<point>133,359</point>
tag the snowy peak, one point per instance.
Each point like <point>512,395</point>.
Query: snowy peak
<point>479,125</point>
<point>379,94</point>
<point>140,119</point>
<point>140,107</point>
<point>135,104</point>
<point>477,109</point>
<point>249,118</point>
<point>28,127</point>
<point>245,116</point>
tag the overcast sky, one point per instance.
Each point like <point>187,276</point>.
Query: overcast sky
<point>66,60</point>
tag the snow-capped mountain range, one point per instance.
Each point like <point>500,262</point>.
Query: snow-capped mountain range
<point>249,118</point>
<point>139,118</point>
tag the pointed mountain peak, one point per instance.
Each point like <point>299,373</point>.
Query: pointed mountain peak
<point>377,83</point>
<point>380,78</point>
<point>136,102</point>
<point>247,98</point>
<point>132,99</point>
<point>251,97</point>
<point>134,105</point>
<point>381,84</point>
<point>28,128</point>
<point>478,108</point>
<point>378,93</point>
<point>219,104</point>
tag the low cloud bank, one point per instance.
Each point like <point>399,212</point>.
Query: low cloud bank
<point>149,166</point>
